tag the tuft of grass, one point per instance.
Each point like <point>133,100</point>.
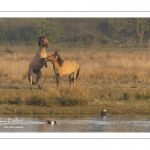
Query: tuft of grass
<point>9,51</point>
<point>126,96</point>
<point>142,94</point>
<point>142,97</point>
<point>76,96</point>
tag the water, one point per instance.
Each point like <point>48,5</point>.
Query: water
<point>76,124</point>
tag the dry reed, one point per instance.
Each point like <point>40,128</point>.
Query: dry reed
<point>103,66</point>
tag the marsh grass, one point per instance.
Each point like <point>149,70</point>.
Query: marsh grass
<point>112,65</point>
<point>47,98</point>
<point>112,78</point>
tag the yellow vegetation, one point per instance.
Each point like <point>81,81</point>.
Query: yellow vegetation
<point>98,65</point>
<point>107,78</point>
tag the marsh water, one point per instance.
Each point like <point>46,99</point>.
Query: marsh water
<point>92,123</point>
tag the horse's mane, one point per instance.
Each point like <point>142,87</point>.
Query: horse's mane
<point>42,36</point>
<point>59,59</point>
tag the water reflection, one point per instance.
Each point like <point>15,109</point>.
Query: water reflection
<point>76,124</point>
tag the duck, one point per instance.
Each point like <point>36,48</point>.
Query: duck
<point>103,112</point>
<point>50,122</point>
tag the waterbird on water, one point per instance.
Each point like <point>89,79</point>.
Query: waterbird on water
<point>103,112</point>
<point>50,122</point>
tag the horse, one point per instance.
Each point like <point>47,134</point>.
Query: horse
<point>38,61</point>
<point>62,68</point>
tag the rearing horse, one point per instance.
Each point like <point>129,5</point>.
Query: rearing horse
<point>38,61</point>
<point>62,68</point>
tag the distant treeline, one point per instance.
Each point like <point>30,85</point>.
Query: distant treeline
<point>75,31</point>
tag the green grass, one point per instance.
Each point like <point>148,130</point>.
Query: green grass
<point>115,107</point>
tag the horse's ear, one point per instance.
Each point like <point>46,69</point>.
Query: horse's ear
<point>55,54</point>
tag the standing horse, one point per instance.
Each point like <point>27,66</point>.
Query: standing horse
<point>38,61</point>
<point>62,68</point>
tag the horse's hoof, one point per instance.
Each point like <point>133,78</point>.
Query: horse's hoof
<point>34,83</point>
<point>39,87</point>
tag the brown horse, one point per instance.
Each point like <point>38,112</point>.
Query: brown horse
<point>38,61</point>
<point>62,68</point>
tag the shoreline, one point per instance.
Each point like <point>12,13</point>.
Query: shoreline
<point>122,109</point>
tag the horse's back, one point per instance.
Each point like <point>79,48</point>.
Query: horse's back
<point>72,63</point>
<point>68,67</point>
<point>75,64</point>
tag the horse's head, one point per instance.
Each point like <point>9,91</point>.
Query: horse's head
<point>43,41</point>
<point>55,58</point>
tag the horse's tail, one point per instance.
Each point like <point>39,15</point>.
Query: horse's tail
<point>78,73</point>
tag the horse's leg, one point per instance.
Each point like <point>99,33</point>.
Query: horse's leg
<point>69,77</point>
<point>39,73</point>
<point>56,75</point>
<point>74,77</point>
<point>45,63</point>
<point>30,73</point>
<point>30,78</point>
<point>58,78</point>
